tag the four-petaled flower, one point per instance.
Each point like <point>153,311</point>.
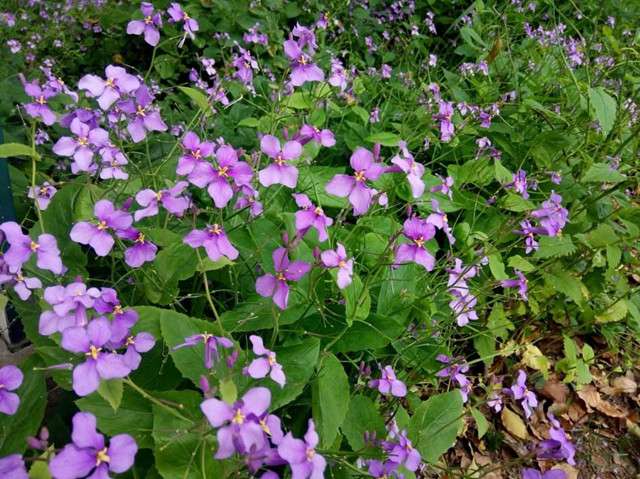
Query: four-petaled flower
<point>280,172</point>
<point>521,283</point>
<point>266,362</point>
<point>302,67</point>
<point>527,398</point>
<point>82,147</point>
<point>215,242</point>
<point>147,26</point>
<point>170,198</point>
<point>389,383</point>
<point>21,247</point>
<point>311,216</point>
<point>275,285</point>
<point>338,259</point>
<point>97,235</point>
<point>302,456</point>
<point>355,187</point>
<point>418,231</point>
<point>211,343</point>
<point>118,83</point>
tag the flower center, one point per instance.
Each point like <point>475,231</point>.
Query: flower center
<point>359,175</point>
<point>102,225</point>
<point>302,60</point>
<point>223,171</point>
<point>41,100</point>
<point>129,341</point>
<point>318,211</point>
<point>34,246</point>
<point>215,229</point>
<point>117,309</point>
<point>271,357</point>
<point>185,16</point>
<point>93,352</point>
<point>148,20</point>
<point>238,417</point>
<point>310,454</point>
<point>342,264</point>
<point>279,159</point>
<point>196,154</point>
<point>419,241</point>
<point>83,141</point>
<point>140,111</point>
<point>264,427</point>
<point>44,191</point>
<point>102,456</point>
<point>19,277</point>
<point>280,276</point>
<point>140,238</point>
<point>110,82</point>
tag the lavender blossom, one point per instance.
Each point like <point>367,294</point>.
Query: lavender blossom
<point>301,454</point>
<point>266,363</point>
<point>42,194</point>
<point>117,85</point>
<point>311,216</point>
<point>418,231</point>
<point>10,379</point>
<point>521,283</point>
<point>520,392</point>
<point>170,199</point>
<point>275,285</point>
<point>279,172</point>
<point>148,26</point>
<point>99,235</point>
<point>21,247</point>
<point>215,242</point>
<point>338,259</point>
<point>389,383</point>
<point>211,345</point>
<point>82,147</point>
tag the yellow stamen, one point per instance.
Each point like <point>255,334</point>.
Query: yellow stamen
<point>140,111</point>
<point>148,20</point>
<point>280,277</point>
<point>319,211</point>
<point>117,309</point>
<point>140,238</point>
<point>93,352</point>
<point>110,82</point>
<point>223,171</point>
<point>34,246</point>
<point>102,225</point>
<point>215,229</point>
<point>83,141</point>
<point>310,454</point>
<point>419,241</point>
<point>264,427</point>
<point>238,417</point>
<point>41,100</point>
<point>102,456</point>
<point>359,175</point>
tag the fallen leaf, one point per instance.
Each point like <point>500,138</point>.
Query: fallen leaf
<point>624,384</point>
<point>591,397</point>
<point>570,471</point>
<point>514,424</point>
<point>534,358</point>
<point>556,390</point>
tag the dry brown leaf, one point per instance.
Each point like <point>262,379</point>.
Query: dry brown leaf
<point>570,471</point>
<point>514,424</point>
<point>591,397</point>
<point>624,384</point>
<point>556,390</point>
<point>484,467</point>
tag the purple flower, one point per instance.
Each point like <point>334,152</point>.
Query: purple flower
<point>211,344</point>
<point>519,183</point>
<point>21,285</point>
<point>215,242</point>
<point>142,250</point>
<point>456,373</point>
<point>239,429</point>
<point>418,231</point>
<point>382,470</point>
<point>216,179</point>
<point>266,363</point>
<point>82,147</point>
<point>528,231</point>
<point>558,446</point>
<point>301,455</point>
<point>388,383</point>
<point>177,14</point>
<point>402,452</point>
<point>458,276</point>
<point>355,187</point>
<point>140,343</point>
<point>88,452</point>
<point>39,108</point>
<point>279,172</point>
<point>43,194</point>
<point>305,36</point>
<point>412,168</point>
<point>70,305</point>
<point>444,117</point>
<point>170,199</point>
<point>302,67</point>
<point>338,259</point>
<point>439,219</point>
<point>311,216</point>
<point>12,467</point>
<point>10,379</point>
<point>99,363</point>
<point>529,473</point>
<point>463,306</point>
<point>244,64</point>
<point>21,247</point>
<point>249,199</point>
<point>118,83</point>
<point>148,26</point>
<point>309,132</point>
<point>98,235</point>
<point>521,283</point>
<point>520,392</point>
<point>555,177</point>
<point>194,153</point>
<point>112,160</point>
<point>143,116</point>
<point>444,187</point>
<point>552,216</point>
<point>276,286</point>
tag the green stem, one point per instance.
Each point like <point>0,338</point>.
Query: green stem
<point>154,400</point>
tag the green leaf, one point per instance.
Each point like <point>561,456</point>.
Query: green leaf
<point>481,422</point>
<point>40,470</point>
<point>614,255</point>
<point>555,246</point>
<point>175,328</point>
<point>497,267</point>
<point>518,262</point>
<point>564,282</point>
<point>111,391</point>
<point>165,65</point>
<point>373,333</point>
<point>26,421</point>
<point>397,291</point>
<point>330,399</point>
<point>501,174</point>
<point>9,150</point>
<point>603,173</point>
<point>298,101</point>
<point>362,416</point>
<point>602,236</point>
<point>385,138</point>
<point>604,108</point>
<point>208,265</point>
<point>299,362</point>
<point>616,312</point>
<point>517,203</point>
<point>435,424</point>
<point>249,122</point>
<point>198,98</point>
<point>228,390</point>
<point>133,416</point>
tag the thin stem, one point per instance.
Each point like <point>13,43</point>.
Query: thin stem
<point>154,400</point>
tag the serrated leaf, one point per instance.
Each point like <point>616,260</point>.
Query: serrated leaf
<point>330,399</point>
<point>555,246</point>
<point>111,391</point>
<point>602,236</point>
<point>519,263</point>
<point>534,358</point>
<point>569,285</point>
<point>9,150</point>
<point>616,312</point>
<point>603,173</point>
